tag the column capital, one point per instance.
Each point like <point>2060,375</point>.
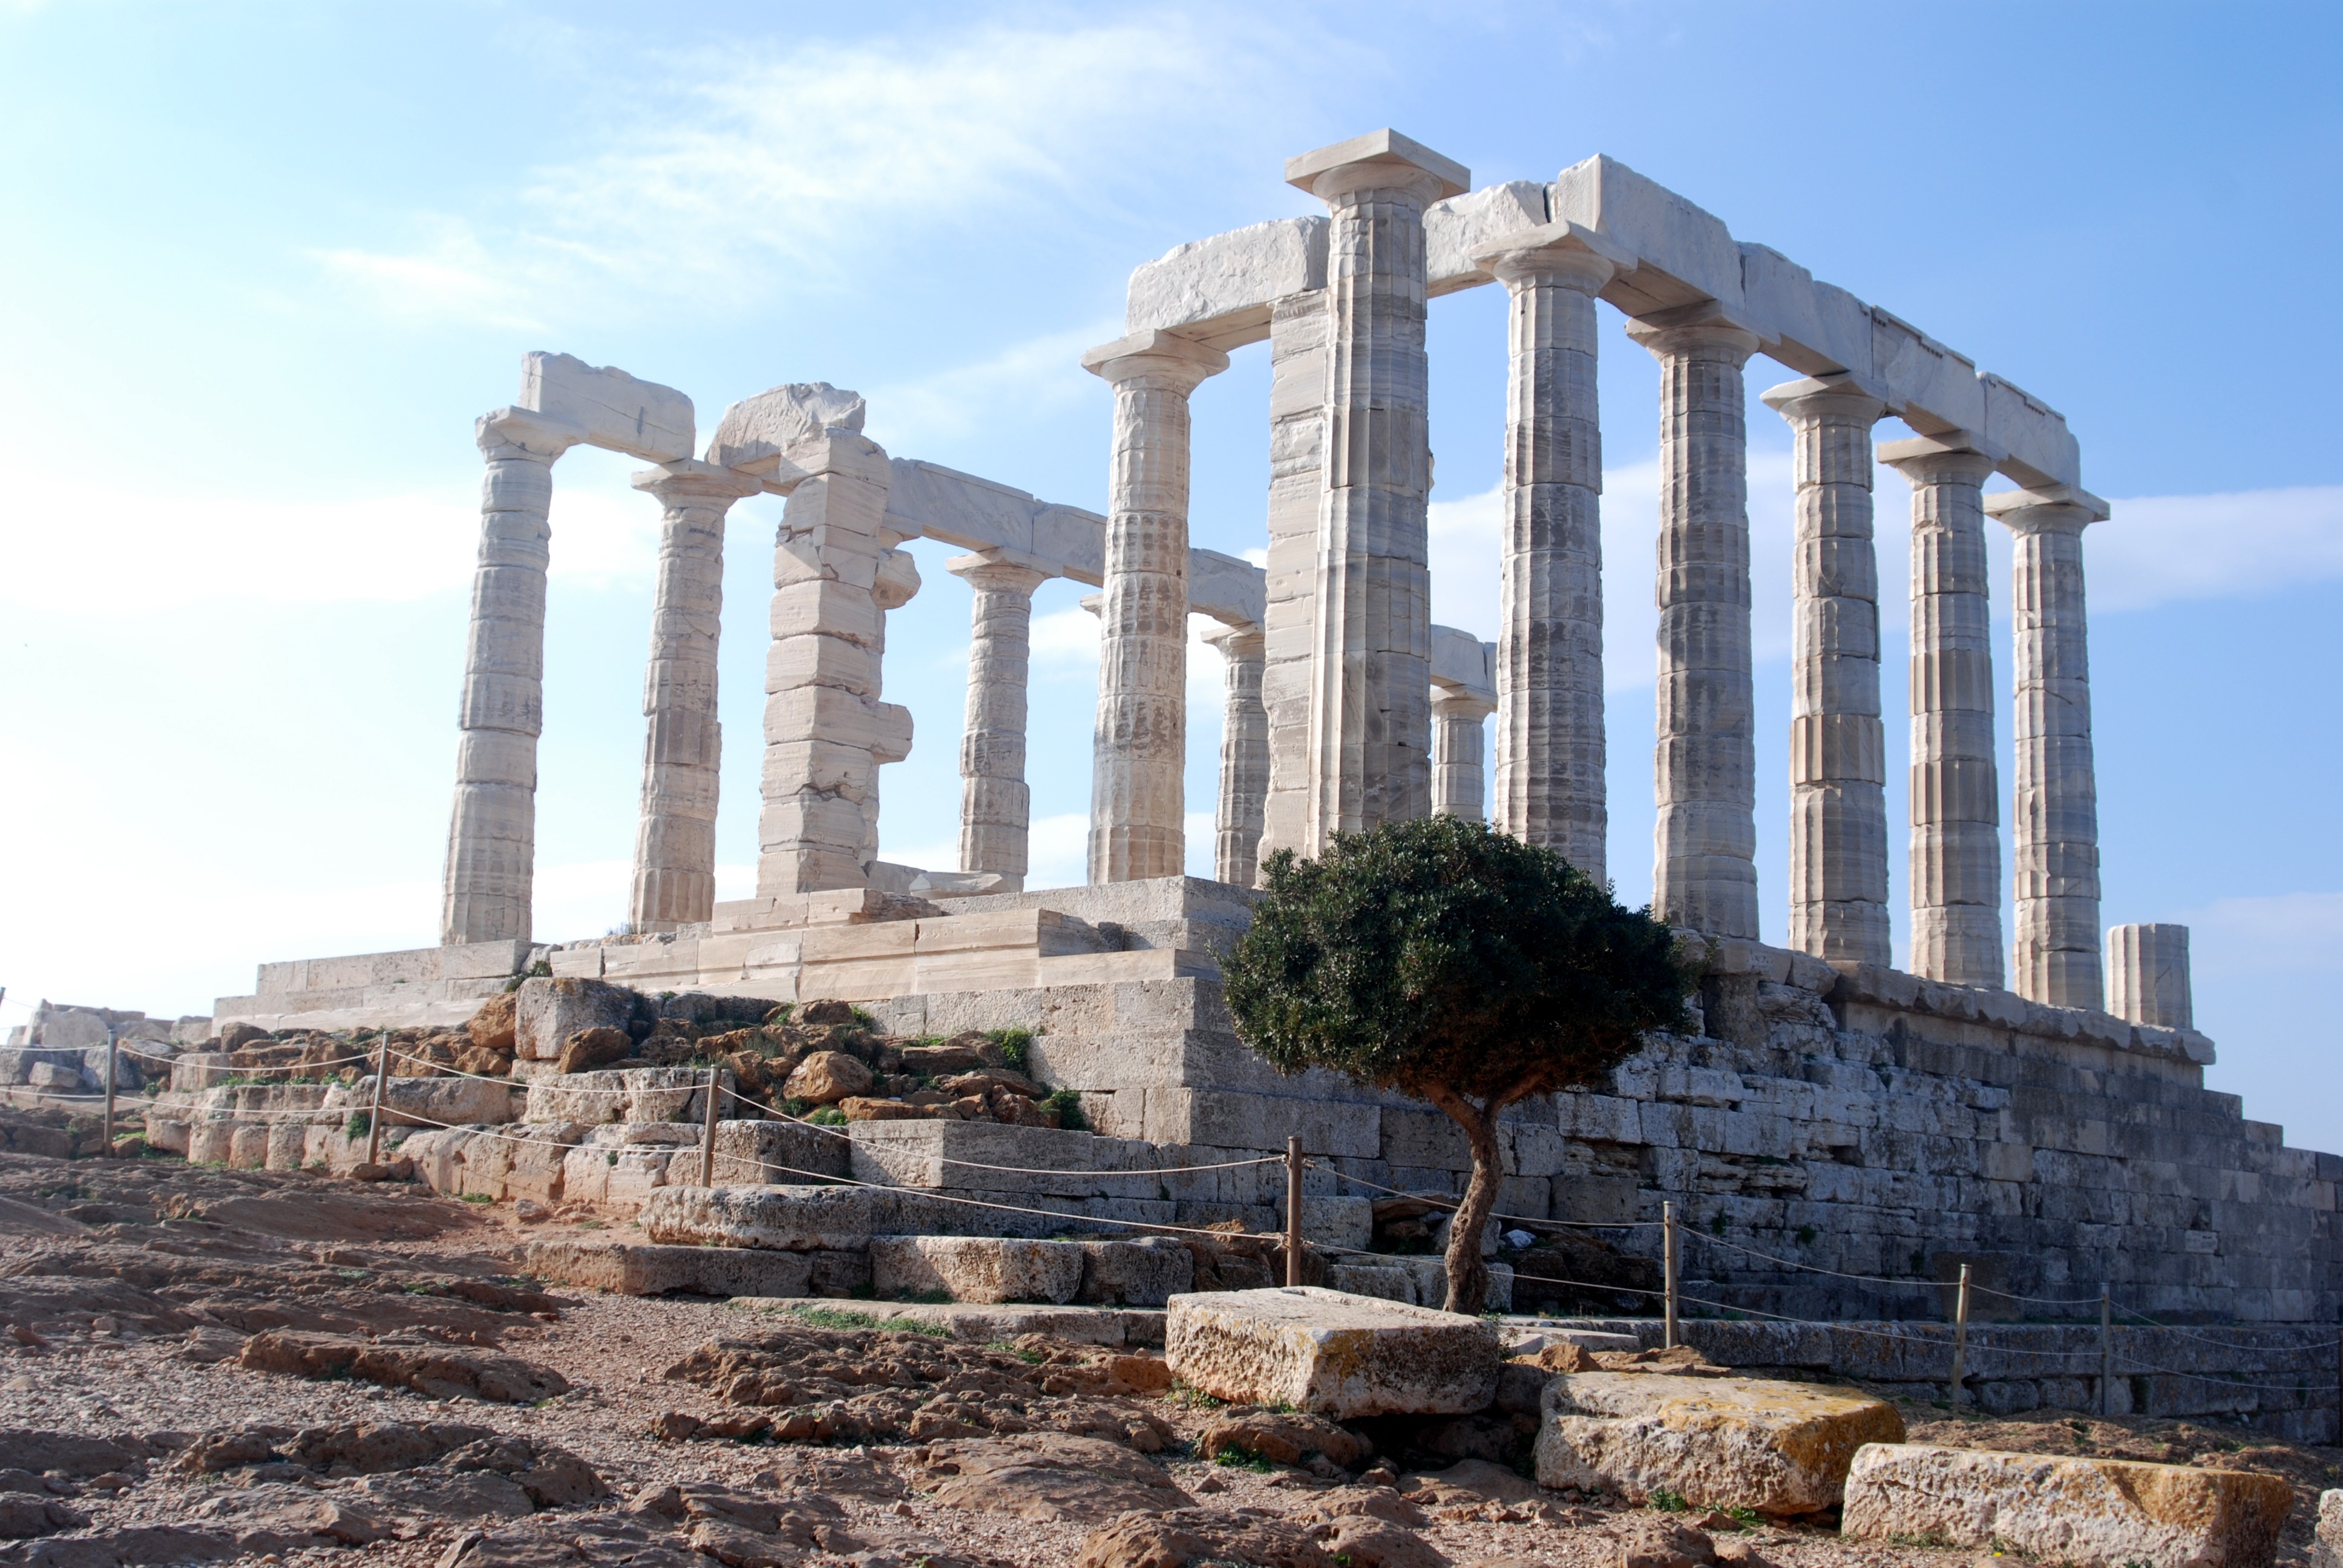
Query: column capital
<point>1958,458</point>
<point>524,432</point>
<point>1463,702</point>
<point>2051,508</point>
<point>1705,328</point>
<point>999,570</point>
<point>687,478</point>
<point>1171,362</point>
<point>1840,395</point>
<point>1564,252</point>
<point>1380,160</point>
<point>1231,640</point>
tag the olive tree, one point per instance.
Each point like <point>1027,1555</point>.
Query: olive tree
<point>1457,965</point>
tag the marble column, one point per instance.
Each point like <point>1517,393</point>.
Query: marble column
<point>2055,950</point>
<point>2147,975</point>
<point>675,834</point>
<point>1549,740</point>
<point>1370,708</point>
<point>1705,847</point>
<point>996,806</point>
<point>1955,849</point>
<point>1459,781</point>
<point>895,585</point>
<point>1839,747</point>
<point>492,831</point>
<point>1244,757</point>
<point>1297,453</point>
<point>1139,745</point>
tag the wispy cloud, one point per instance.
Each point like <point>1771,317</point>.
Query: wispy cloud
<point>951,405</point>
<point>2160,549</point>
<point>738,172</point>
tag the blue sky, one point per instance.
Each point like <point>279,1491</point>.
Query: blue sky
<point>261,265</point>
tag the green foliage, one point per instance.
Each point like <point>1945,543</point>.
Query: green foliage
<point>862,1020</point>
<point>1924,1541</point>
<point>1193,1398</point>
<point>477,1197</point>
<point>360,1124</point>
<point>1668,1502</point>
<point>827,1116</point>
<point>781,1015</point>
<point>1807,1234</point>
<point>1719,1225</point>
<point>1068,1104</point>
<point>1439,954</point>
<point>798,1108</point>
<point>1238,1457</point>
<point>1016,1046</point>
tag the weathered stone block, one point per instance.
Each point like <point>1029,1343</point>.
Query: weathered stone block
<point>630,1270</point>
<point>2083,1511</point>
<point>783,1218</point>
<point>546,1012</point>
<point>1780,1448</point>
<point>1331,1353</point>
<point>1146,1272</point>
<point>976,1268</point>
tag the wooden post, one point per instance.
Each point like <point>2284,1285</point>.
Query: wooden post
<point>109,1090</point>
<point>1293,1209</point>
<point>1961,1337</point>
<point>707,1136</point>
<point>1668,1272</point>
<point>2107,1353</point>
<point>373,1116</point>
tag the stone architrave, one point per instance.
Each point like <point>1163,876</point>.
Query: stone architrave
<point>675,838</point>
<point>2147,975</point>
<point>826,732</point>
<point>1459,774</point>
<point>1244,757</point>
<point>1369,706</point>
<point>1550,742</point>
<point>1139,749</point>
<point>1955,847</point>
<point>1297,449</point>
<point>996,806</point>
<point>2055,950</point>
<point>1838,747</point>
<point>492,831</point>
<point>1704,846</point>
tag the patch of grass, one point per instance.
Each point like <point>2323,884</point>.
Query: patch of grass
<point>477,1197</point>
<point>611,1158</point>
<point>1807,1234</point>
<point>1016,1046</point>
<point>1925,1540</point>
<point>827,1116</point>
<point>1194,1398</point>
<point>1718,1226</point>
<point>1238,1457</point>
<point>1008,1348</point>
<point>1748,1518</point>
<point>861,1019</point>
<point>593,1225</point>
<point>832,1318</point>
<point>360,1124</point>
<point>1068,1104</point>
<point>1668,1502</point>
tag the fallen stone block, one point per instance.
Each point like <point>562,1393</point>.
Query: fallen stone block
<point>1151,1538</point>
<point>787,1219</point>
<point>985,1268</point>
<point>627,1269</point>
<point>1330,1353</point>
<point>1780,1448</point>
<point>1146,1272</point>
<point>1369,1279</point>
<point>546,1012</point>
<point>2087,1512</point>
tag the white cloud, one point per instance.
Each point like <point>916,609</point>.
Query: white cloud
<point>952,404</point>
<point>741,171</point>
<point>1066,637</point>
<point>2160,549</point>
<point>2290,935</point>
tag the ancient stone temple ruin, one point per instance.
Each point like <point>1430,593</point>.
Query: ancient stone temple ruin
<point>2029,1102</point>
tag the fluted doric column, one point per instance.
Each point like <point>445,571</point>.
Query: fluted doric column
<point>1459,774</point>
<point>2055,951</point>
<point>1704,846</point>
<point>1839,747</point>
<point>683,747</point>
<point>1955,849</point>
<point>996,806</point>
<point>492,830</point>
<point>1550,741</point>
<point>2147,975</point>
<point>1244,757</point>
<point>1369,706</point>
<point>1140,746</point>
<point>1297,454</point>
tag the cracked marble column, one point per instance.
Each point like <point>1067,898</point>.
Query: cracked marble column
<point>1297,443</point>
<point>1839,747</point>
<point>996,806</point>
<point>1244,757</point>
<point>1955,849</point>
<point>675,834</point>
<point>492,830</point>
<point>1459,777</point>
<point>1139,745</point>
<point>1705,765</point>
<point>1550,741</point>
<point>1370,739</point>
<point>2055,849</point>
<point>2147,975</point>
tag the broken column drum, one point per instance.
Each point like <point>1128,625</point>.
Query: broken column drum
<point>492,834</point>
<point>996,804</point>
<point>1705,848</point>
<point>675,840</point>
<point>1838,747</point>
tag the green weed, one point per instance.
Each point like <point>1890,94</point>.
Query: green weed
<point>1237,1457</point>
<point>1668,1502</point>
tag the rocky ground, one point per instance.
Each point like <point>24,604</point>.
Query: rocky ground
<point>201,1365</point>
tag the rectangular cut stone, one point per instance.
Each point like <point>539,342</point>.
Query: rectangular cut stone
<point>1781,1448</point>
<point>616,410</point>
<point>1218,290</point>
<point>987,1269</point>
<point>1454,229</point>
<point>1331,1353</point>
<point>1686,255</point>
<point>630,1270</point>
<point>2075,1510</point>
<point>787,1219</point>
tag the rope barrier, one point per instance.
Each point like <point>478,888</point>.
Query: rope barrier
<point>1453,1204</point>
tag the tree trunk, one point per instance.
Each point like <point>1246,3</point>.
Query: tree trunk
<point>1468,1272</point>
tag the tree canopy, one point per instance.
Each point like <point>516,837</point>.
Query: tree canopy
<point>1447,961</point>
